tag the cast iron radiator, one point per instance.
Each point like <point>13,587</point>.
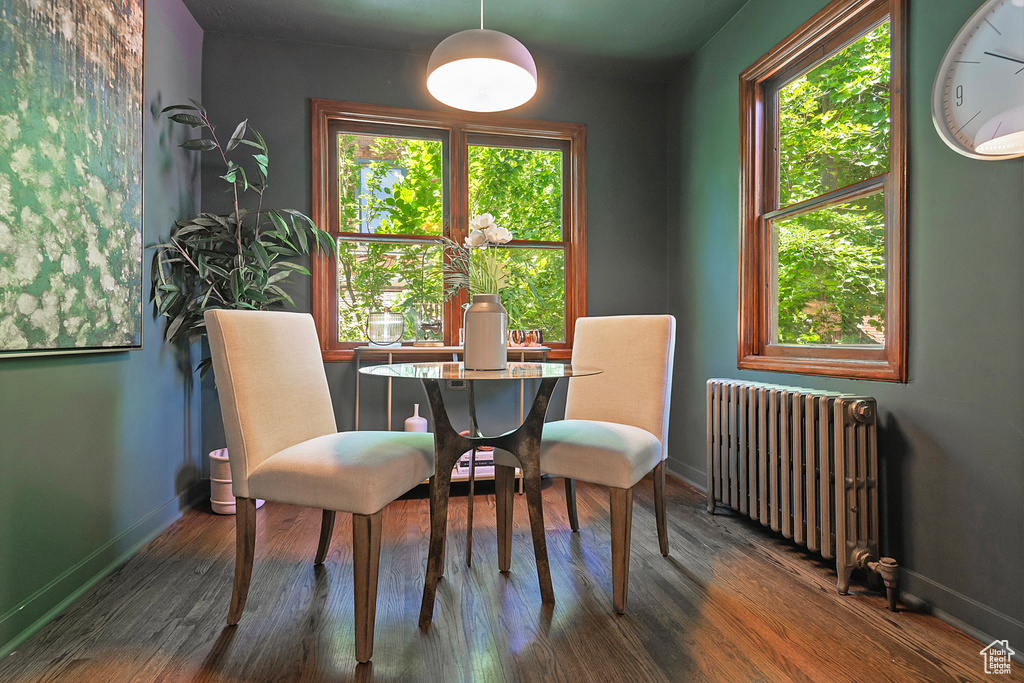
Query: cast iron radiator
<point>805,463</point>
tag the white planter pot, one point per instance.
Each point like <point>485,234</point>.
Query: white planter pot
<point>222,499</point>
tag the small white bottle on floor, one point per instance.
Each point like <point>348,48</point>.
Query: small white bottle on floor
<point>416,423</point>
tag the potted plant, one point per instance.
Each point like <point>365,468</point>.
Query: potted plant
<point>235,260</point>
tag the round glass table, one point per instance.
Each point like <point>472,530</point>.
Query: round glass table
<point>522,443</point>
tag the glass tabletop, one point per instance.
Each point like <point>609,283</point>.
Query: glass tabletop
<point>514,370</point>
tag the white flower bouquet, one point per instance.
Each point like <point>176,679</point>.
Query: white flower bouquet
<point>489,277</point>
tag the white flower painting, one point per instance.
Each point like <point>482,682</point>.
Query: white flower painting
<point>71,175</point>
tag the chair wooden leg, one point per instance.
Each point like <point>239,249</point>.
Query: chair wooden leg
<point>621,504</point>
<point>659,507</point>
<point>570,503</point>
<point>365,563</point>
<point>504,479</point>
<point>326,530</point>
<point>245,548</point>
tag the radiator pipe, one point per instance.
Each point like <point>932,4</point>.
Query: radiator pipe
<point>886,568</point>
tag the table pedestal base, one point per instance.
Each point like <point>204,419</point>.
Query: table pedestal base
<point>524,444</point>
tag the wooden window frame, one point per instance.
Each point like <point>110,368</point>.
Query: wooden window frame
<point>819,38</point>
<point>457,132</point>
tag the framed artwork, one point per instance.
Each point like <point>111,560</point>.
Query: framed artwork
<point>70,176</point>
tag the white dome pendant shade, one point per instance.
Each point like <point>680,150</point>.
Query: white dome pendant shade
<point>481,70</point>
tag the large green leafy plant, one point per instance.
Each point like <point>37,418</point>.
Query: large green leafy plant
<point>236,260</point>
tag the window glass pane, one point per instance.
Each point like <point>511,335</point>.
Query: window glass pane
<point>534,295</point>
<point>834,121</point>
<point>389,185</point>
<point>379,276</point>
<point>521,188</point>
<point>830,284</point>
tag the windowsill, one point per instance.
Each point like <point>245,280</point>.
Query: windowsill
<point>849,368</point>
<point>412,354</point>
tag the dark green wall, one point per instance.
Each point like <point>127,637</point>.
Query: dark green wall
<point>951,439</point>
<point>270,83</point>
<point>99,452</point>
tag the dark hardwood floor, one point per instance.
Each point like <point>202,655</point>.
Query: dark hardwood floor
<point>731,603</point>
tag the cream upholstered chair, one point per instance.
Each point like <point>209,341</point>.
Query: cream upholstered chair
<point>284,446</point>
<point>615,429</point>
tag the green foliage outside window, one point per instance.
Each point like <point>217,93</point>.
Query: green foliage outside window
<point>834,132</point>
<point>374,276</point>
<point>831,275</point>
<point>394,186</point>
<point>522,189</point>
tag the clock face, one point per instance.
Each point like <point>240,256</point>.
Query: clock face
<point>979,89</point>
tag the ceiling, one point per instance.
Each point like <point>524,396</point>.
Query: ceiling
<point>643,39</point>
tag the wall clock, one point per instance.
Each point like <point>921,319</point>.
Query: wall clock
<point>978,96</point>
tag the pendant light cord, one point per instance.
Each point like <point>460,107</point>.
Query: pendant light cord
<point>481,15</point>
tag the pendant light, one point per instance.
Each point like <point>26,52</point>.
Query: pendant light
<point>481,70</point>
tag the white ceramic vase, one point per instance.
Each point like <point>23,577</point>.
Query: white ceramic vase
<point>416,423</point>
<point>485,325</point>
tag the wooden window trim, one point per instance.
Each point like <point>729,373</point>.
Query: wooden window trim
<point>758,207</point>
<point>459,130</point>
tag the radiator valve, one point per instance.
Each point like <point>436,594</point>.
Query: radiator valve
<point>886,568</point>
<point>863,411</point>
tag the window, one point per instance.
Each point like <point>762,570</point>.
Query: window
<point>522,189</point>
<point>389,210</point>
<point>391,184</point>
<point>823,154</point>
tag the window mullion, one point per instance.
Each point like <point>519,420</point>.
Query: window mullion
<point>843,194</point>
<point>387,238</point>
<point>455,228</point>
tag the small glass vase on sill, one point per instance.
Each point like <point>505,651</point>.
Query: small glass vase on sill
<point>385,328</point>
<point>427,324</point>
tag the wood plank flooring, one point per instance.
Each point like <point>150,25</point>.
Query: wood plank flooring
<point>731,603</point>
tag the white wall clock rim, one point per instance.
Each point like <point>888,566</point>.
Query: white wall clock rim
<point>974,34</point>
